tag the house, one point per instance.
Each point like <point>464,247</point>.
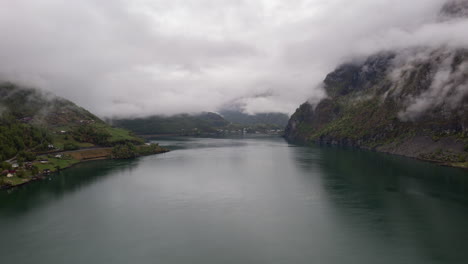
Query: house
<point>9,175</point>
<point>14,165</point>
<point>46,171</point>
<point>50,146</point>
<point>58,156</point>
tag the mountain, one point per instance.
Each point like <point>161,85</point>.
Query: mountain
<point>454,9</point>
<point>227,122</point>
<point>36,121</point>
<point>278,120</point>
<point>40,107</point>
<point>412,103</point>
<point>178,124</point>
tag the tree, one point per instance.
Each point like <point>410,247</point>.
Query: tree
<point>20,174</point>
<point>124,151</point>
<point>34,170</point>
<point>16,136</point>
<point>6,166</point>
<point>70,146</point>
<point>27,156</point>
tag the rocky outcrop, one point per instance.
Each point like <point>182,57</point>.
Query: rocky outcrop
<point>412,103</point>
<point>455,9</point>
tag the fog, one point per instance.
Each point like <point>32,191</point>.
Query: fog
<point>146,57</point>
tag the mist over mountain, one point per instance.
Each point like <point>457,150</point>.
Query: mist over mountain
<point>39,107</point>
<point>35,121</point>
<point>182,124</point>
<point>140,58</point>
<point>455,9</point>
<point>238,117</point>
<point>412,102</point>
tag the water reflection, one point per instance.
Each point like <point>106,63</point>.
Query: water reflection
<point>241,201</point>
<point>24,198</point>
<point>418,207</point>
<point>179,143</point>
<point>369,173</point>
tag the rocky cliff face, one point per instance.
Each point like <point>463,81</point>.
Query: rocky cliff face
<point>412,103</point>
<point>455,9</point>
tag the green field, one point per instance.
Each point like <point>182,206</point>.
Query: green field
<point>52,164</point>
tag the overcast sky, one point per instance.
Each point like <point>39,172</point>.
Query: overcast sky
<point>144,57</point>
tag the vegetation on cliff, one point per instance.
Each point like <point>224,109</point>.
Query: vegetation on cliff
<point>414,106</point>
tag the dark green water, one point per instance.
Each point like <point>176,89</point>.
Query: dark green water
<point>241,201</point>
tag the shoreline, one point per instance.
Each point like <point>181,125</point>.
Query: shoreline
<point>87,157</point>
<point>463,166</point>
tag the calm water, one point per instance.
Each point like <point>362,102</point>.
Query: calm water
<point>241,201</point>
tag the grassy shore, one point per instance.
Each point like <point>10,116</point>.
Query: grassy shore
<point>47,164</point>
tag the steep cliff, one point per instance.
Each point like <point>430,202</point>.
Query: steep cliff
<point>412,103</point>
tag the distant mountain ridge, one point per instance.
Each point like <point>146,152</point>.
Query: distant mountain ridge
<point>178,124</point>
<point>207,123</point>
<point>238,117</point>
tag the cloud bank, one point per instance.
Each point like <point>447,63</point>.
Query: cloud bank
<point>146,57</point>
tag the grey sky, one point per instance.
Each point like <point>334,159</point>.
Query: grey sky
<point>143,57</point>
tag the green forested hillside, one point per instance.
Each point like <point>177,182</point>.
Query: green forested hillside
<point>178,124</point>
<point>16,137</point>
<point>278,120</point>
<point>35,121</point>
<point>227,122</point>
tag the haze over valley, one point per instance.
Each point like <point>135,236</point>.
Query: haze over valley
<point>142,58</point>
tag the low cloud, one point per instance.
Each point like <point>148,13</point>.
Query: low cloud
<point>448,85</point>
<point>140,57</point>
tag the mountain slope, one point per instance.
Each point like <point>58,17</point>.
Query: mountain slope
<point>412,103</point>
<point>178,124</point>
<point>32,120</point>
<point>278,120</point>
